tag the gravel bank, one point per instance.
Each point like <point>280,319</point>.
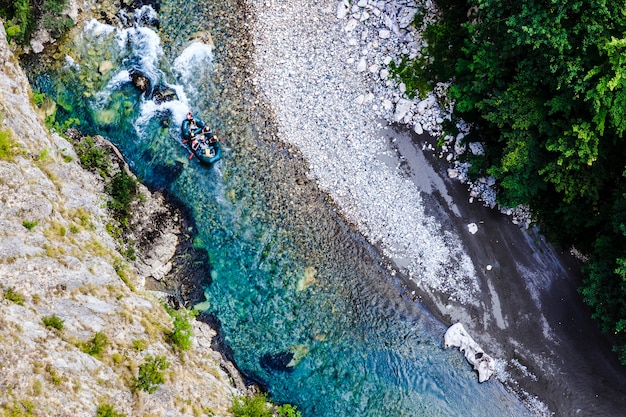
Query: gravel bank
<point>325,79</point>
<point>322,67</point>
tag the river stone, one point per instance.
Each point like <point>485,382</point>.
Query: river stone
<point>163,94</point>
<point>105,66</point>
<point>406,16</point>
<point>457,336</point>
<point>351,25</point>
<point>140,81</point>
<point>362,65</point>
<point>277,361</point>
<point>342,9</point>
<point>402,108</point>
<point>476,148</point>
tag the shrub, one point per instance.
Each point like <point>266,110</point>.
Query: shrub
<point>92,157</point>
<point>24,408</point>
<point>181,335</point>
<point>150,375</point>
<point>38,98</point>
<point>22,16</point>
<point>251,406</point>
<point>122,189</point>
<point>140,344</point>
<point>30,225</point>
<point>106,410</point>
<point>54,322</point>
<point>20,21</point>
<point>11,295</point>
<point>57,24</point>
<point>8,147</point>
<point>288,410</point>
<point>96,345</point>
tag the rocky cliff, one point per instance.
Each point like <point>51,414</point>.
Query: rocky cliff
<point>76,323</point>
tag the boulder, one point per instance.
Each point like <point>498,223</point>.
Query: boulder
<point>140,81</point>
<point>162,94</point>
<point>105,66</point>
<point>457,336</point>
<point>342,9</point>
<point>476,148</point>
<point>405,17</point>
<point>402,108</point>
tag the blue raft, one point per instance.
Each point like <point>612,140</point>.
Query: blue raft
<point>201,140</point>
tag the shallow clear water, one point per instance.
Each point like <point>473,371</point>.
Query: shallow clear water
<point>305,304</point>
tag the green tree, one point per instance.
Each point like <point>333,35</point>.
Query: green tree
<point>150,374</point>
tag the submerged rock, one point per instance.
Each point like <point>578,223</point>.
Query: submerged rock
<point>307,279</point>
<point>457,336</point>
<point>140,81</point>
<point>277,361</point>
<point>163,94</point>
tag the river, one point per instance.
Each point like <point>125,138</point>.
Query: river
<point>306,305</point>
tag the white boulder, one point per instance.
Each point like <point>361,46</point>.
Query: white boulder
<point>476,148</point>
<point>402,108</point>
<point>342,9</point>
<point>457,336</point>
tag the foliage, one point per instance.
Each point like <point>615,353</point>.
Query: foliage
<point>140,344</point>
<point>11,295</point>
<point>106,410</point>
<point>257,405</point>
<point>150,374</point>
<point>23,16</point>
<point>24,408</point>
<point>180,336</point>
<point>122,189</point>
<point>92,157</point>
<point>54,322</point>
<point>544,85</point>
<point>288,410</point>
<point>30,224</point>
<point>121,268</point>
<point>251,406</point>
<point>20,23</point>
<point>95,346</point>
<point>8,147</point>
<point>38,98</point>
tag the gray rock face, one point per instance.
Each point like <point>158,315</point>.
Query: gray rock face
<point>58,260</point>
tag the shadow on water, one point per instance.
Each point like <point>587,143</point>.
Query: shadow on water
<point>304,303</point>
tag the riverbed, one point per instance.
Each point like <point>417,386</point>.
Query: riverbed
<point>339,250</point>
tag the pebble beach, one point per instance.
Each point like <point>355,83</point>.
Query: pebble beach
<point>323,68</point>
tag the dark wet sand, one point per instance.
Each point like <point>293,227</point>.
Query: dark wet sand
<point>528,309</point>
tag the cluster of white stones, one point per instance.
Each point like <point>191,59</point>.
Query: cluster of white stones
<point>323,67</point>
<point>385,32</point>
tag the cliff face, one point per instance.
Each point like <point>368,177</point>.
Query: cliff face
<point>58,261</point>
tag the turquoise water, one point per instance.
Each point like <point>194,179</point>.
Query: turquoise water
<point>305,304</point>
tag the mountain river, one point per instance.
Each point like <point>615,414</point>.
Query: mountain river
<point>306,305</point>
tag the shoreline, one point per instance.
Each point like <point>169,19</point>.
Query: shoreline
<point>531,315</point>
<point>503,313</point>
